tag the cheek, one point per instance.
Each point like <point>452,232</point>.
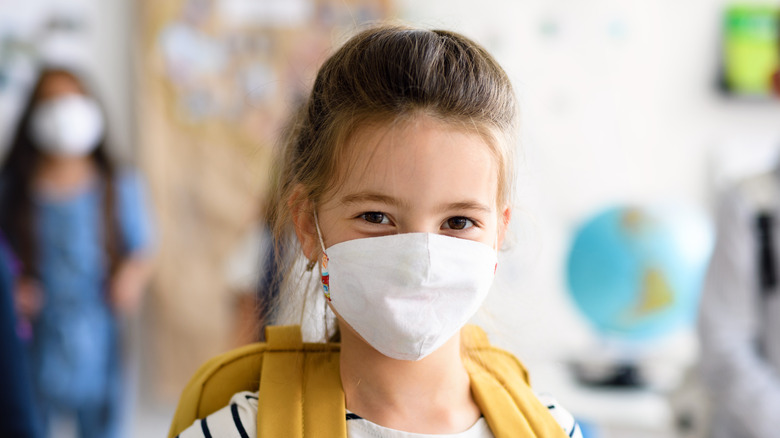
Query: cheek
<point>334,225</point>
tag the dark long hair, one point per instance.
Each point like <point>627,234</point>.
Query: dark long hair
<point>17,213</point>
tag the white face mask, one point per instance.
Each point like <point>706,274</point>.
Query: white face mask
<point>71,125</point>
<point>407,294</point>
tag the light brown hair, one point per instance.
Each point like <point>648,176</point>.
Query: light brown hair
<point>387,74</point>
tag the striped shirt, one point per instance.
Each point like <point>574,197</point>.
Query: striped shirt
<point>239,420</point>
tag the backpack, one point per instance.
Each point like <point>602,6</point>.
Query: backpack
<point>300,388</point>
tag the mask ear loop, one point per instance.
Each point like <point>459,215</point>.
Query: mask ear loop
<point>319,233</point>
<point>495,245</point>
<point>325,279</point>
<point>313,263</point>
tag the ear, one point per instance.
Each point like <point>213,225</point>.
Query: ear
<point>302,212</point>
<point>504,216</point>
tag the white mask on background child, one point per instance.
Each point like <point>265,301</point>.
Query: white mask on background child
<point>70,126</point>
<point>407,294</point>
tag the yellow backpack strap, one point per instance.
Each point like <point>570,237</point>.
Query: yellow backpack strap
<point>211,387</point>
<point>300,388</point>
<point>499,383</point>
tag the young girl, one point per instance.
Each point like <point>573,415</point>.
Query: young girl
<point>397,184</point>
<point>80,230</point>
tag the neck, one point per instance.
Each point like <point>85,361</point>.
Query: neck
<point>63,174</point>
<point>432,395</point>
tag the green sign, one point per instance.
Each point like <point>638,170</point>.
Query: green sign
<point>751,48</point>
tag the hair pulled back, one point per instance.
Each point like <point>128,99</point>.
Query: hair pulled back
<point>386,74</point>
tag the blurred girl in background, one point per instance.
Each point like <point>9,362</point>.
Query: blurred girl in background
<point>81,230</point>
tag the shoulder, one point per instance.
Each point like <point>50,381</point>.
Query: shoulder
<point>565,419</point>
<point>128,179</point>
<point>133,210</point>
<point>739,205</point>
<point>237,419</point>
<point>743,198</point>
<point>760,190</point>
<point>129,189</point>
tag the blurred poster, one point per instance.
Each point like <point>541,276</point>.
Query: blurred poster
<point>269,13</point>
<point>218,80</point>
<point>751,48</point>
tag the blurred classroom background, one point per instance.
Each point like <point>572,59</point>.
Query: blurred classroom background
<point>634,114</point>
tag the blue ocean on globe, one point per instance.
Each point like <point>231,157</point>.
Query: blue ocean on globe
<point>636,273</point>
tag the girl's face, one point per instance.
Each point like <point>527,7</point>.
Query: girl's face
<point>417,176</point>
<point>64,122</point>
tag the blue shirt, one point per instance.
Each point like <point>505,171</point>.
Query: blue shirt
<point>75,335</point>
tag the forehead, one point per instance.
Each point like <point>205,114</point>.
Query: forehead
<point>421,158</point>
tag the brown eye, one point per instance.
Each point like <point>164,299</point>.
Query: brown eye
<point>374,217</point>
<point>458,223</point>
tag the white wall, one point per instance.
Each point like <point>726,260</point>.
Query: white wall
<point>113,25</point>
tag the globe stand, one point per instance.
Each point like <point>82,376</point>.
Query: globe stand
<point>602,375</point>
<point>613,361</point>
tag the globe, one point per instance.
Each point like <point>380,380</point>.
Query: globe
<point>635,273</point>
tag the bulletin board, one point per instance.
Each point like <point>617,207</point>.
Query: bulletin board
<point>217,81</point>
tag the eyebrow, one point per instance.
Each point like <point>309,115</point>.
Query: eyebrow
<point>466,205</point>
<point>355,198</point>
